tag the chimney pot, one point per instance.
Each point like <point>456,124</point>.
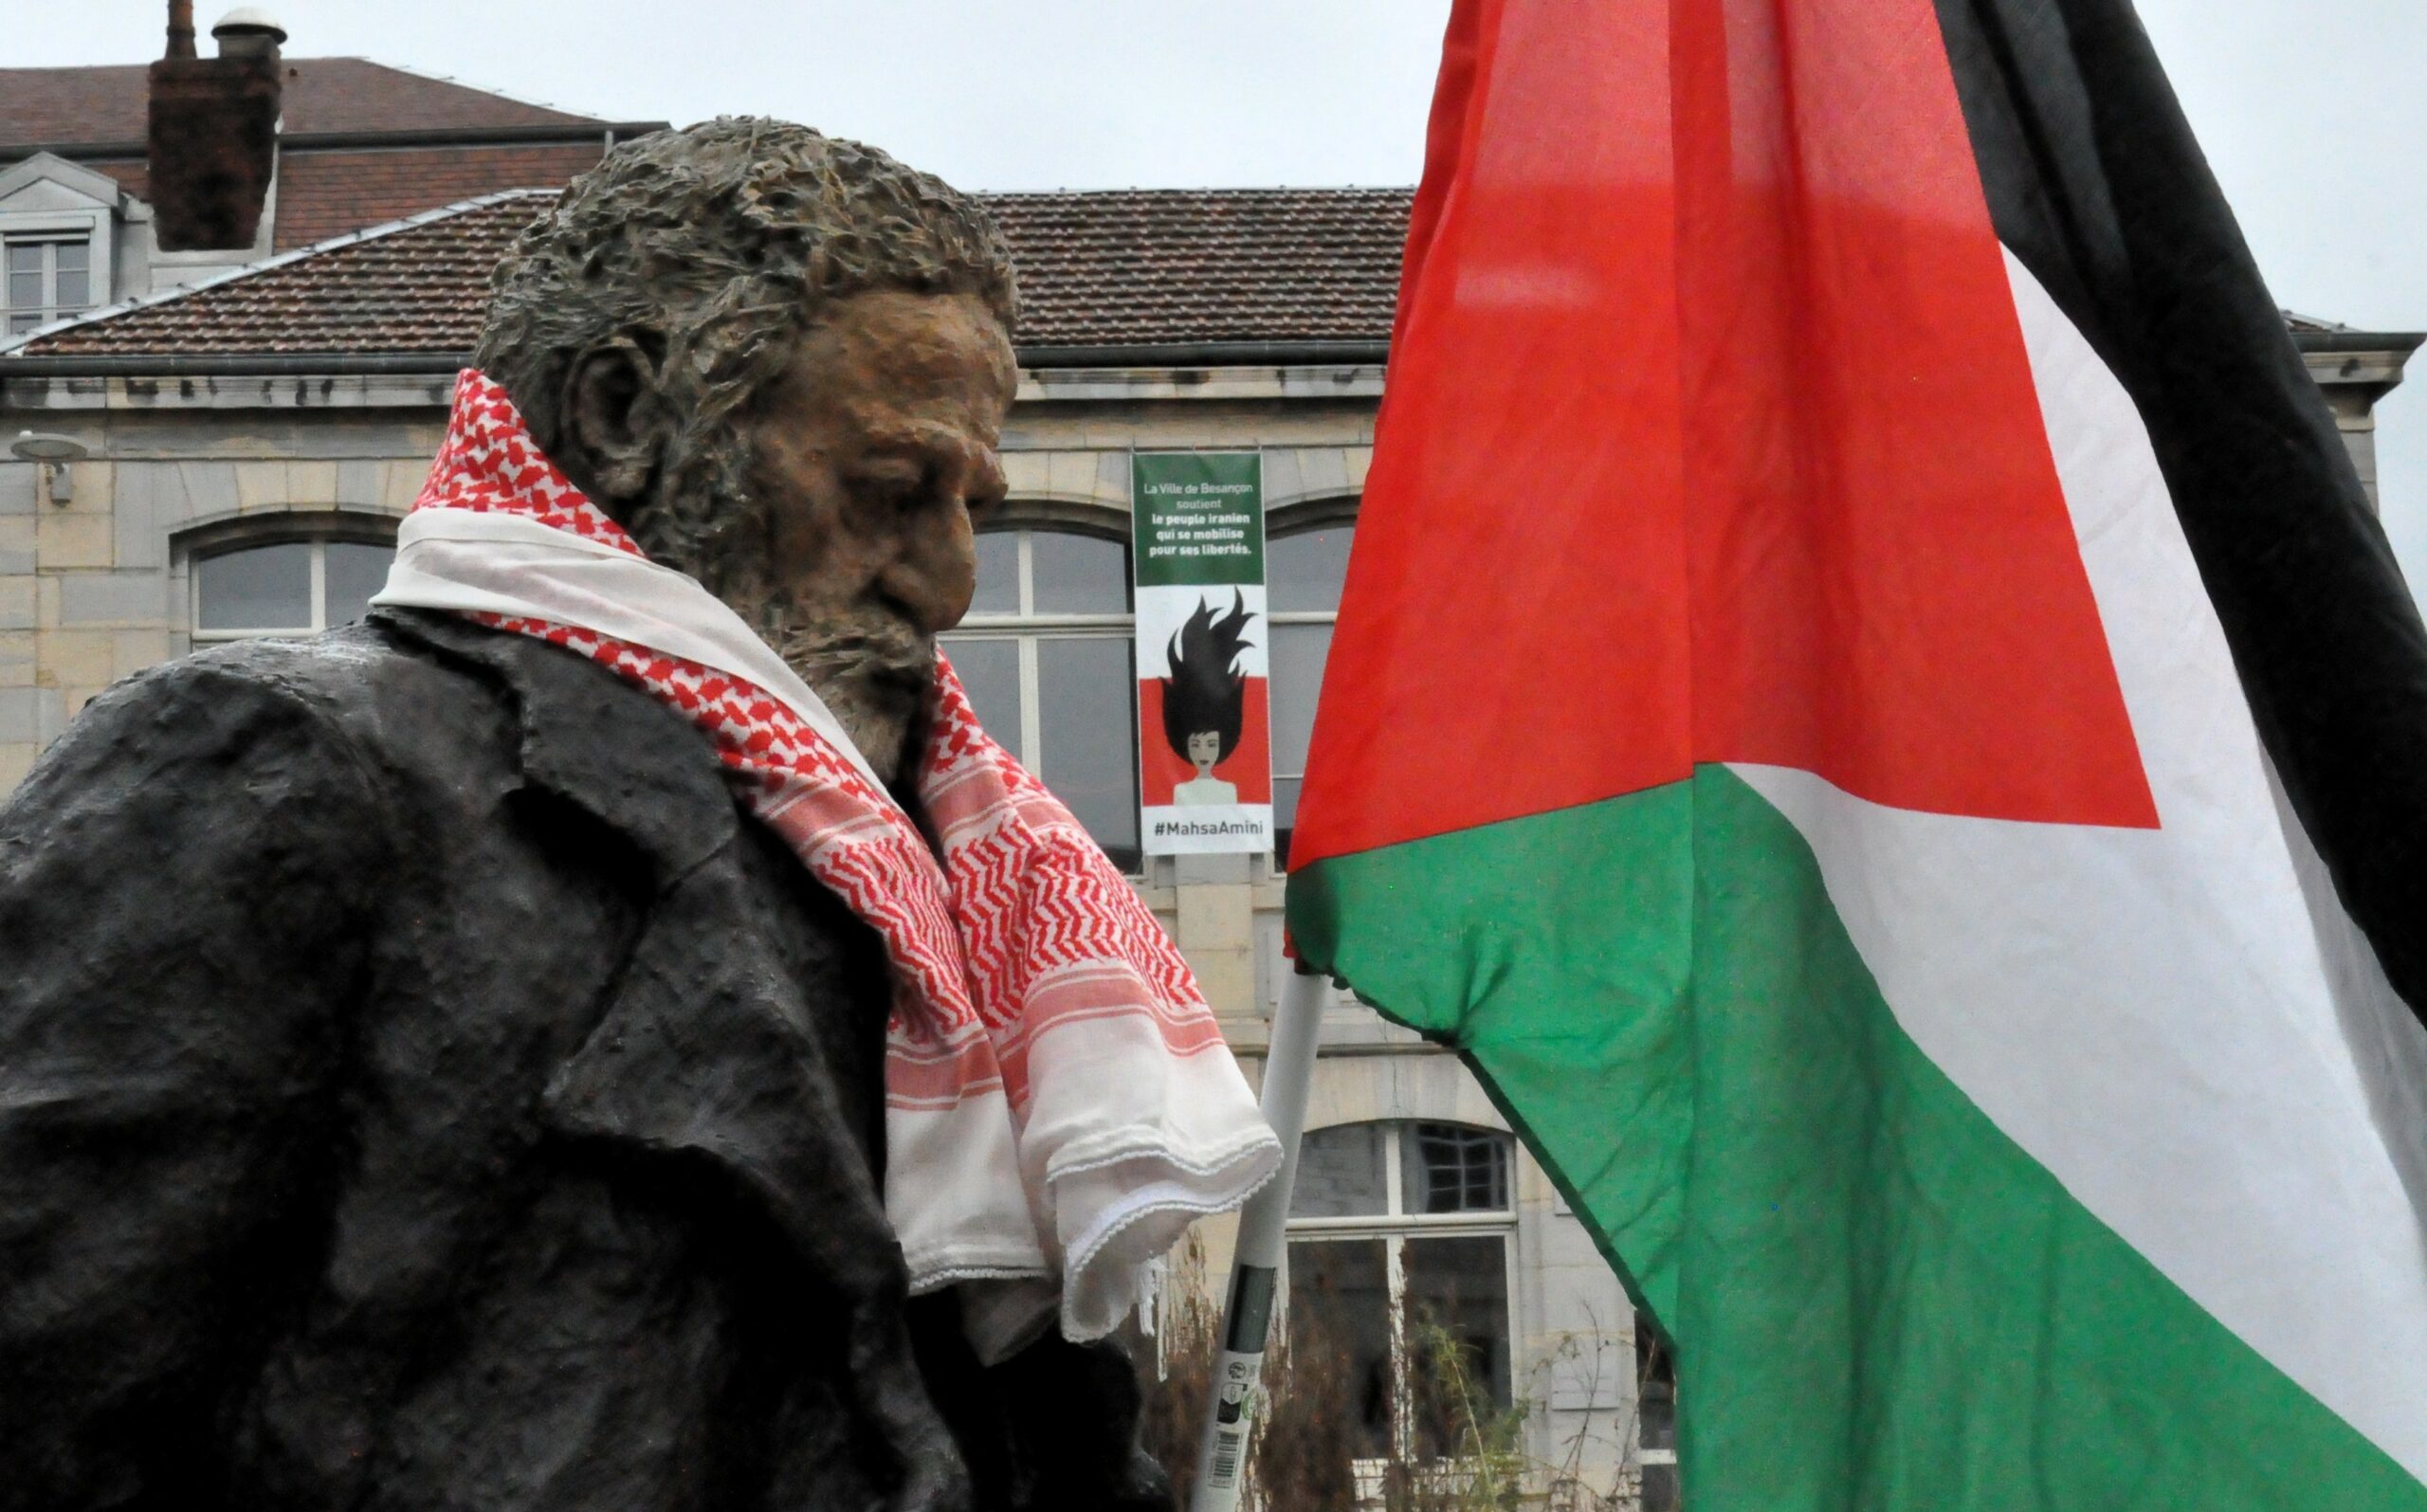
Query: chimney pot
<point>180,30</point>
<point>248,32</point>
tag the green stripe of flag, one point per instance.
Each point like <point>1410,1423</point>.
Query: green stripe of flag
<point>1881,1302</point>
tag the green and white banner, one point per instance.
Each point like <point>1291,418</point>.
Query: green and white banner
<point>1204,739</point>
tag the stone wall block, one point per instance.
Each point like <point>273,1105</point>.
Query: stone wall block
<point>124,599</point>
<point>359,482</point>
<point>91,483</point>
<point>20,714</point>
<point>261,485</point>
<point>72,659</point>
<point>64,539</point>
<point>312,484</point>
<point>15,761</point>
<point>51,714</point>
<point>134,522</point>
<point>1072,475</point>
<point>1025,473</point>
<point>402,481</point>
<point>1215,931</point>
<point>18,597</point>
<point>207,488</point>
<point>131,651</point>
<point>1324,471</point>
<point>16,545</point>
<point>1283,475</point>
<point>1361,459</point>
<point>1112,475</point>
<point>18,482</point>
<point>16,659</point>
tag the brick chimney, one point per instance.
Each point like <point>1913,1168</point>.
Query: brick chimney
<point>213,131</point>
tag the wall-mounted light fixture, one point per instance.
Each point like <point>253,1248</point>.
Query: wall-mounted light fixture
<point>54,452</point>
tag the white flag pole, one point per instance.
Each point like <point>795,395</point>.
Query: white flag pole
<point>1257,1267</point>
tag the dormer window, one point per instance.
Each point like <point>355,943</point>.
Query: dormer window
<point>48,277</point>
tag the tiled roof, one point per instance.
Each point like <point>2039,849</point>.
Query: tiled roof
<point>106,104</point>
<point>1157,265</point>
<point>1120,267</point>
<point>419,286</point>
<point>322,194</point>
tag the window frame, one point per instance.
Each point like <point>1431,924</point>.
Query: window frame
<point>319,541</point>
<point>1395,1226</point>
<point>1303,519</point>
<point>50,309</point>
<point>1028,629</point>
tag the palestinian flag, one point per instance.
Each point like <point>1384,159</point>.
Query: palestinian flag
<point>1871,707</point>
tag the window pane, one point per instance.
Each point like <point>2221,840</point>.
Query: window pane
<point>998,574</point>
<point>1340,1172</point>
<point>1299,652</point>
<point>990,672</point>
<point>26,257</point>
<point>269,587</point>
<point>1338,1345</point>
<point>1655,1386</point>
<point>74,290</point>
<point>18,324</point>
<point>25,290</point>
<point>1285,819</point>
<point>1304,571</point>
<point>1086,728</point>
<point>1449,1168</point>
<point>356,571</point>
<point>1079,575</point>
<point>1656,1419</point>
<point>1457,1334</point>
<point>70,256</point>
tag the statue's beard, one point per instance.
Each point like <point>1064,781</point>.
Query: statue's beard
<point>873,668</point>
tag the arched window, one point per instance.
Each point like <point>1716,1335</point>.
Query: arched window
<point>1046,656</point>
<point>1303,568</point>
<point>1399,1237</point>
<point>286,587</point>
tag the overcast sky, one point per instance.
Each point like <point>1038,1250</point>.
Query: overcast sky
<point>2314,112</point>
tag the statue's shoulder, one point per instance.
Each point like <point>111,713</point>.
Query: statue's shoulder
<point>374,681</point>
<point>366,696</point>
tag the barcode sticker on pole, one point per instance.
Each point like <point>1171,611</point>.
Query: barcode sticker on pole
<point>1223,1467</point>
<point>1228,1445</point>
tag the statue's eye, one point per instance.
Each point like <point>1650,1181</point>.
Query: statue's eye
<point>897,481</point>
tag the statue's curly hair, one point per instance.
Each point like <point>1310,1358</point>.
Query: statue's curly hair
<point>709,250</point>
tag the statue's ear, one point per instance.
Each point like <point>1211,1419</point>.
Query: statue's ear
<point>616,422</point>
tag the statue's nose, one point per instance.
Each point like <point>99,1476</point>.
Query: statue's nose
<point>937,581</point>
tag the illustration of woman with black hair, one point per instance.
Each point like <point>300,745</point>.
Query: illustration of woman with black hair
<point>1205,700</point>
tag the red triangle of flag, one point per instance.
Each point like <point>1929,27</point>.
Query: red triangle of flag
<point>1709,436</point>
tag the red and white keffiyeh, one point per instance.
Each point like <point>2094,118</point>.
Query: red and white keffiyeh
<point>1059,1103</point>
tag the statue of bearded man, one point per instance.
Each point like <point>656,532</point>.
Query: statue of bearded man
<point>586,1036</point>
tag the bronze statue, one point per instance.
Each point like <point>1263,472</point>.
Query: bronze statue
<point>422,1084</point>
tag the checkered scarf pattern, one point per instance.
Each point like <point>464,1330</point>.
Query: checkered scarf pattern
<point>1022,926</point>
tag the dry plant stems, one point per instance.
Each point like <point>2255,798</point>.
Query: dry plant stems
<point>1307,1439</point>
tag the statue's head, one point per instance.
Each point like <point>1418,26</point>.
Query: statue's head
<point>781,361</point>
